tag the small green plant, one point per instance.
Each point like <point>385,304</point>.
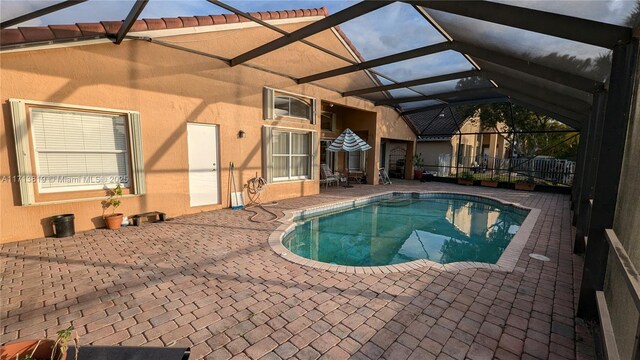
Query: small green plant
<point>417,161</point>
<point>64,336</point>
<point>467,175</point>
<point>60,347</point>
<point>114,199</point>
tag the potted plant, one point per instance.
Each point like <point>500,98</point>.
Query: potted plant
<point>43,349</point>
<point>418,164</point>
<point>527,185</point>
<point>114,199</point>
<point>491,182</point>
<point>466,178</point>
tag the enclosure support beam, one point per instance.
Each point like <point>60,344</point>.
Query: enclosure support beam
<point>577,174</point>
<point>457,103</point>
<point>544,94</point>
<point>423,81</point>
<point>406,55</point>
<point>617,116</point>
<point>568,117</point>
<point>439,96</point>
<point>526,66</point>
<point>585,171</point>
<point>131,18</point>
<point>588,177</point>
<point>38,13</point>
<point>360,8</point>
<point>513,139</point>
<point>563,26</point>
<point>277,29</point>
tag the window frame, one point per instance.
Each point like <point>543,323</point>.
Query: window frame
<point>269,109</point>
<point>28,175</point>
<point>333,121</point>
<point>126,186</point>
<point>290,155</point>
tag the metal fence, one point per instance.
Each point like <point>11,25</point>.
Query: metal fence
<point>541,169</point>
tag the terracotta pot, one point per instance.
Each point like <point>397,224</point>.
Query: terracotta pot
<point>19,349</point>
<point>489,183</point>
<point>465,182</point>
<point>113,221</point>
<point>525,186</point>
<point>417,174</point>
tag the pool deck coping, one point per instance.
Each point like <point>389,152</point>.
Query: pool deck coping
<point>506,262</point>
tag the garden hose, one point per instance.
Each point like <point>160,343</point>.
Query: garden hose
<point>255,188</point>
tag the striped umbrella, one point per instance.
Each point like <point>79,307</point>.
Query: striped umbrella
<point>348,141</point>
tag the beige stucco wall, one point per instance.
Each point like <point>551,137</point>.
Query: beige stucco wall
<point>431,150</point>
<point>624,314</point>
<point>171,88</point>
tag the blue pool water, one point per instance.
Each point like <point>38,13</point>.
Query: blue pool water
<point>442,228</point>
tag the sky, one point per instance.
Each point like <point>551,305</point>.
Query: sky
<point>394,28</point>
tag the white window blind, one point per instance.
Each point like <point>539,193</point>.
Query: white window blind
<point>79,150</point>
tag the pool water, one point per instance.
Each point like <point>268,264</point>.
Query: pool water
<point>443,229</point>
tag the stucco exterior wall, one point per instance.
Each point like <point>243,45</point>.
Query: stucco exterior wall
<point>170,89</point>
<point>624,314</point>
<point>431,150</point>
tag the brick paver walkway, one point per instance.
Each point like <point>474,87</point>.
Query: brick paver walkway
<point>211,281</point>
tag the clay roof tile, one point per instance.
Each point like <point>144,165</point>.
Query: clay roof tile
<point>274,14</point>
<point>91,28</point>
<point>155,24</point>
<point>189,21</point>
<point>139,25</point>
<point>44,33</point>
<point>231,18</point>
<point>266,15</point>
<point>204,20</point>
<point>65,31</point>
<point>111,27</point>
<point>172,23</point>
<point>11,36</point>
<point>37,33</point>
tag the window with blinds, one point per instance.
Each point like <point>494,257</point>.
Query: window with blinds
<point>79,150</point>
<point>62,148</point>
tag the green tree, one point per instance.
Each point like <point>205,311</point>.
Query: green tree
<point>506,118</point>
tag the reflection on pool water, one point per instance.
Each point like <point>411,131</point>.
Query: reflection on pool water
<point>442,228</point>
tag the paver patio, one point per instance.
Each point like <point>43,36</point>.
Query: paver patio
<point>211,281</point>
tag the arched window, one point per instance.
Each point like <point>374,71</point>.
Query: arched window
<point>291,106</point>
<point>281,104</point>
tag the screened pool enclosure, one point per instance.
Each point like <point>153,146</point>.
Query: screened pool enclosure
<point>433,61</point>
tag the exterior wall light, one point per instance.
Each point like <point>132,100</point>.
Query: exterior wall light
<point>241,134</point>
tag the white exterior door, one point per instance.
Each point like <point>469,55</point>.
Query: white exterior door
<point>204,178</point>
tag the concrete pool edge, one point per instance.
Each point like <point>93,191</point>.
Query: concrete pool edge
<point>507,261</point>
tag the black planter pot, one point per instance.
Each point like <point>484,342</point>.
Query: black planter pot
<point>64,225</point>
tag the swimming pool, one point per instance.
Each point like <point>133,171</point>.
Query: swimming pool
<point>403,228</point>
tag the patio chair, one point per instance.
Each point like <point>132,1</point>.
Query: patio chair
<point>327,176</point>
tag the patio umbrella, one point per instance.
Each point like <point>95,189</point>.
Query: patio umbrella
<point>347,142</point>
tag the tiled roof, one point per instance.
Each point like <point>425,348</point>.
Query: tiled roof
<point>52,32</point>
<point>434,123</point>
